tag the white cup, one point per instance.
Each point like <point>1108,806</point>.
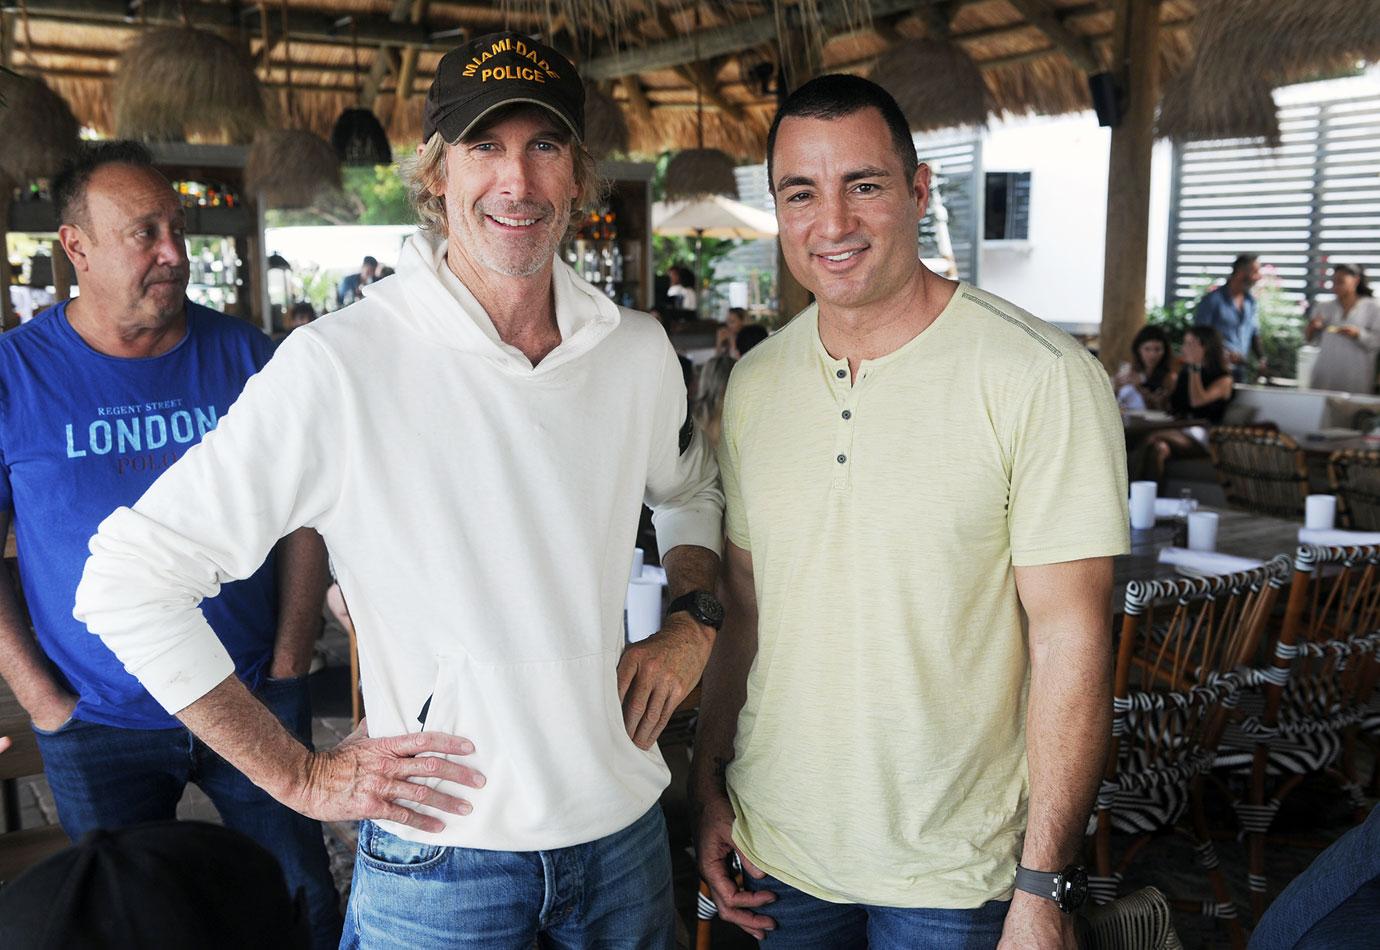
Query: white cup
<point>1202,531</point>
<point>638,559</point>
<point>1143,504</point>
<point>1320,512</point>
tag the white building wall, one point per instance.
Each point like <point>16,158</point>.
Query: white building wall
<point>1057,273</point>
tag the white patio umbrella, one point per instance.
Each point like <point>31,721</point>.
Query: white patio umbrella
<point>713,216</point>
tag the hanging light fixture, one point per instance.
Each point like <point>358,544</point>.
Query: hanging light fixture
<point>289,167</point>
<point>698,172</point>
<point>358,137</point>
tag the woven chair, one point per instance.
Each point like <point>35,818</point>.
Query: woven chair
<point>1355,478</point>
<point>1261,470</point>
<point>1138,921</point>
<point>1304,718</point>
<point>1184,645</point>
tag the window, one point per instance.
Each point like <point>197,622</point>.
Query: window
<point>1006,214</point>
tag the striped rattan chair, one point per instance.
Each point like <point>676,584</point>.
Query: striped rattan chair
<point>1261,470</point>
<point>1312,701</point>
<point>1355,478</point>
<point>1180,664</point>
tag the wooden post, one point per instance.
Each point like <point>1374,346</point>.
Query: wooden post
<point>1135,65</point>
<point>799,62</point>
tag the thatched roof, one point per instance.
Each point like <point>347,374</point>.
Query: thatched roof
<point>644,54</point>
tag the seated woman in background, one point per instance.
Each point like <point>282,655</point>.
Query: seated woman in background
<point>1350,331</point>
<point>1203,390</point>
<point>1148,380</point>
<point>708,408</point>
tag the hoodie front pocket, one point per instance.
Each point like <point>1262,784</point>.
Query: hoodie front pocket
<point>559,767</point>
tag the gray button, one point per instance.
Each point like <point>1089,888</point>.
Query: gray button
<point>847,414</point>
<point>842,459</point>
<point>841,373</point>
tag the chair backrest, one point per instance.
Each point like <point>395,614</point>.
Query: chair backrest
<point>1355,478</point>
<point>1183,644</point>
<point>1331,629</point>
<point>1260,470</point>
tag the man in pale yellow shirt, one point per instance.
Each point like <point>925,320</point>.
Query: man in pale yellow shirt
<point>925,488</point>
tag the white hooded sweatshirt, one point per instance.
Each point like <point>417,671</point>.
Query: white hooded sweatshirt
<point>480,514</point>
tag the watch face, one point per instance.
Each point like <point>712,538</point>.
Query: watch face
<point>709,609</point>
<point>1074,882</point>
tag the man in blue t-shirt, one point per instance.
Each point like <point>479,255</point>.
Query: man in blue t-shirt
<point>98,395</point>
<point>1231,311</point>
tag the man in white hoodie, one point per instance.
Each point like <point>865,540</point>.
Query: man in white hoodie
<point>474,441</point>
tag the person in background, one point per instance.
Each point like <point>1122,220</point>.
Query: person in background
<point>748,337</point>
<point>709,396</point>
<point>299,315</point>
<point>1202,391</point>
<point>352,287</point>
<point>1232,312</point>
<point>681,293</point>
<point>1349,327</point>
<point>98,396</point>
<point>1148,380</point>
<point>726,339</point>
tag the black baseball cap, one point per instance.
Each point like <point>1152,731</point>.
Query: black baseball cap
<point>496,70</point>
<point>160,884</point>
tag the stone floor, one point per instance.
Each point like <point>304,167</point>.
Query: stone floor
<point>1316,812</point>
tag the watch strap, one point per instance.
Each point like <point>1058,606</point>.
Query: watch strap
<point>1040,883</point>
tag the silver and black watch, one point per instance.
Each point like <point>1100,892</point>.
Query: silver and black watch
<point>1067,888</point>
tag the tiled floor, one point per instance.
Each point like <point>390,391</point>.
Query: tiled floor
<point>1316,810</point>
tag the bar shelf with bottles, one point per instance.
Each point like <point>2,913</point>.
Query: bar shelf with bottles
<point>611,247</point>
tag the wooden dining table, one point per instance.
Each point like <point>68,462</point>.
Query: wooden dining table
<point>1239,533</point>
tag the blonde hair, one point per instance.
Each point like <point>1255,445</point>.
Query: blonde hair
<point>424,175</point>
<point>708,409</point>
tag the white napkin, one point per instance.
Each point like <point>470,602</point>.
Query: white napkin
<point>1336,538</point>
<point>1206,562</point>
<point>1169,507</point>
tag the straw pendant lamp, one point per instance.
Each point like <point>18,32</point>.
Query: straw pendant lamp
<point>37,127</point>
<point>699,171</point>
<point>358,137</point>
<point>936,84</point>
<point>184,84</point>
<point>289,167</point>
<point>606,130</point>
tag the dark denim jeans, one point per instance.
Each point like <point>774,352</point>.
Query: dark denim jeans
<point>613,893</point>
<point>804,922</point>
<point>106,777</point>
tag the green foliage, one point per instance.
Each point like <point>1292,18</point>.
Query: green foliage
<point>670,252</point>
<point>371,195</point>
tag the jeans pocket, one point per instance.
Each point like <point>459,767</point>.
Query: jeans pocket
<point>389,852</point>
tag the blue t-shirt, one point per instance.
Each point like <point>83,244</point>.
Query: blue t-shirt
<point>1237,327</point>
<point>81,434</point>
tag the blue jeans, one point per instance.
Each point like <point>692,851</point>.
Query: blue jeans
<point>804,922</point>
<point>108,777</point>
<point>613,893</point>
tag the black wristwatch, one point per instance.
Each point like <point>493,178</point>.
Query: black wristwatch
<point>1067,888</point>
<point>701,605</point>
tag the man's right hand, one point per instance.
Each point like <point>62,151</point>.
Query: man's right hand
<point>53,715</point>
<point>369,778</point>
<point>715,844</point>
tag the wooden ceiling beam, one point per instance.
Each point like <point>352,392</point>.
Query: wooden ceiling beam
<point>385,64</point>
<point>702,76</point>
<point>1075,46</point>
<point>303,25</point>
<point>638,103</point>
<point>407,71</point>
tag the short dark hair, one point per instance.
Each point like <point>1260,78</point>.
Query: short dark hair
<point>836,96</point>
<point>1242,262</point>
<point>748,337</point>
<point>69,186</point>
<point>370,262</point>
